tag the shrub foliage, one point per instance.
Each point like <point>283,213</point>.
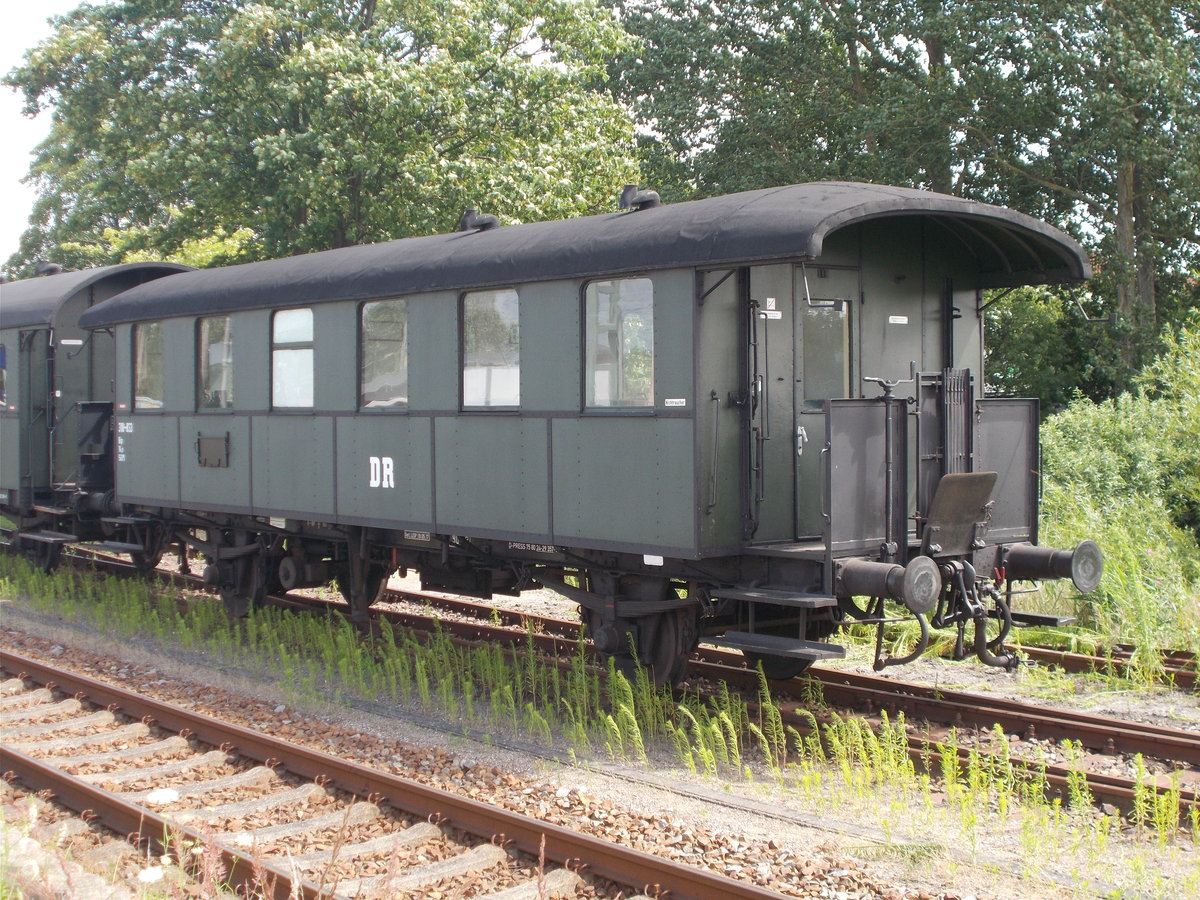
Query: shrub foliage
<point>1126,473</point>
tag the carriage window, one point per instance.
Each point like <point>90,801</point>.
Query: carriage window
<point>215,371</point>
<point>491,349</point>
<point>148,366</point>
<point>292,359</point>
<point>619,343</point>
<point>383,379</point>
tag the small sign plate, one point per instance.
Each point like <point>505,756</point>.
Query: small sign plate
<point>532,548</point>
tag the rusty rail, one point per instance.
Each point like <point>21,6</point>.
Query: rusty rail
<point>634,868</point>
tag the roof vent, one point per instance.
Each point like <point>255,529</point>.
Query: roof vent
<point>632,198</point>
<point>47,268</point>
<point>471,220</point>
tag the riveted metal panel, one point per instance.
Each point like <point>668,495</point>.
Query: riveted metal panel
<point>674,302</point>
<point>252,360</point>
<point>335,344</point>
<point>147,454</point>
<point>14,416</point>
<point>433,357</point>
<point>857,498</point>
<point>719,363</point>
<point>492,472</point>
<point>292,468</point>
<point>1007,443</point>
<point>895,309</point>
<point>201,486</point>
<point>625,480</point>
<point>385,470</point>
<point>550,342</point>
<point>179,365</point>
<point>10,452</point>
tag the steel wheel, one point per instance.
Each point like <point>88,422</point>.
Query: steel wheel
<point>375,584</point>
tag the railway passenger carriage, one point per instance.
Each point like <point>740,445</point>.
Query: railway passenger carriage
<point>56,391</point>
<point>728,417</point>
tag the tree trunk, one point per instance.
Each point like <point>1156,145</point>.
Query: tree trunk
<point>1124,228</point>
<point>1144,245</point>
<point>941,178</point>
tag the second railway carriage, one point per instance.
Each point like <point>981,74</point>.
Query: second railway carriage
<point>56,391</point>
<point>728,417</point>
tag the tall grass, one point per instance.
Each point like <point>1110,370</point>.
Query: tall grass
<point>827,762</point>
<point>1126,473</point>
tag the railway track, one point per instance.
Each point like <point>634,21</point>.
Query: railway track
<point>1178,667</point>
<point>257,800</point>
<point>869,694</point>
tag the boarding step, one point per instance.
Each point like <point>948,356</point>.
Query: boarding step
<point>1041,620</point>
<point>774,645</point>
<point>775,597</point>
<point>127,520</point>
<point>807,550</point>
<point>48,537</point>
<point>120,547</point>
<point>53,510</point>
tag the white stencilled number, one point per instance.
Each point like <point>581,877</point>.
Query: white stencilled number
<point>383,472</point>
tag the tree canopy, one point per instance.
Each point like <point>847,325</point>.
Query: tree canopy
<point>227,129</point>
<point>217,130</point>
<point>1085,113</point>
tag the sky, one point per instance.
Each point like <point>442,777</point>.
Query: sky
<point>22,25</point>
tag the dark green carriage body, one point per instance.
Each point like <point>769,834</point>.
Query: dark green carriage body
<point>675,413</point>
<point>665,480</point>
<point>546,474</point>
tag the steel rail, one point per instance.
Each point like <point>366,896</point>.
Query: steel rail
<point>1176,667</point>
<point>1180,667</point>
<point>874,692</point>
<point>853,689</point>
<point>1115,790</point>
<point>635,868</point>
<point>140,824</point>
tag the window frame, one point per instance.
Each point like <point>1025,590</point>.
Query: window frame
<point>201,354</point>
<point>361,358</point>
<point>285,346</point>
<point>462,352</point>
<point>135,382</point>
<point>646,409</point>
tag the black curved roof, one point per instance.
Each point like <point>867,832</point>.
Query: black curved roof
<point>777,223</point>
<point>34,301</point>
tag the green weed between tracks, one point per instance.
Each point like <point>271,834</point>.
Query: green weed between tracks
<point>830,762</point>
